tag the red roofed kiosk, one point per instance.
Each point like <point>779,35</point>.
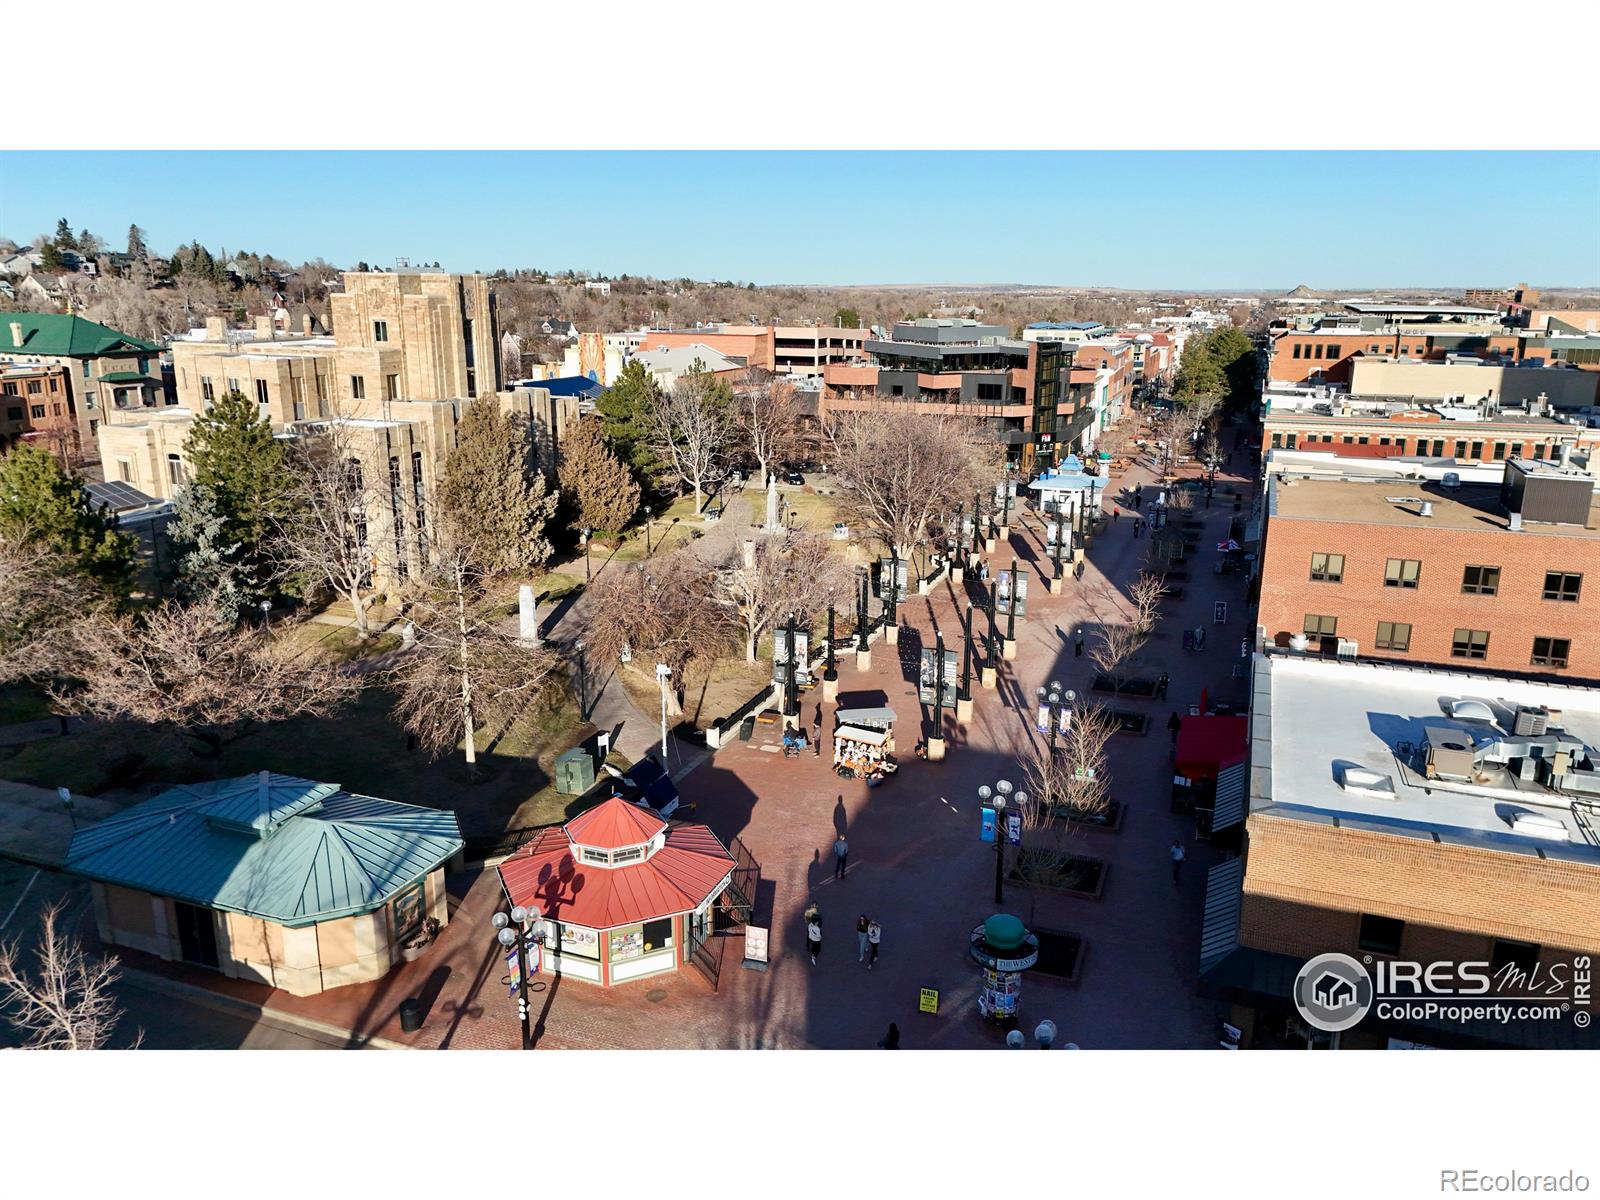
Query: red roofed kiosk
<point>624,894</point>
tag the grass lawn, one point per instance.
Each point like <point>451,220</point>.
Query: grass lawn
<point>361,749</point>
<point>22,702</point>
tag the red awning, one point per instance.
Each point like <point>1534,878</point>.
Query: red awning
<point>1208,744</point>
<point>675,879</point>
<point>613,823</point>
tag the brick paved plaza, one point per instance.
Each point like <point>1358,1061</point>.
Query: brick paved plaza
<point>916,863</point>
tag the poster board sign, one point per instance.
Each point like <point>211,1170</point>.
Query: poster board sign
<point>1003,596</point>
<point>1013,829</point>
<point>885,565</point>
<point>755,944</point>
<point>986,833</point>
<point>802,656</point>
<point>926,679</point>
<point>1219,612</point>
<point>928,1000</point>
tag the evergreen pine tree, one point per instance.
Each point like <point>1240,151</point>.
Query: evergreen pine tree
<point>234,457</point>
<point>39,500</point>
<point>626,412</point>
<point>493,496</point>
<point>136,246</point>
<point>64,239</point>
<point>603,493</point>
<point>204,560</point>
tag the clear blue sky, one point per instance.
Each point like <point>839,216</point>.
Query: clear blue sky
<point>1138,219</point>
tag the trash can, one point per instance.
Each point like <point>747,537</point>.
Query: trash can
<point>410,1015</point>
<point>574,772</point>
<point>747,729</point>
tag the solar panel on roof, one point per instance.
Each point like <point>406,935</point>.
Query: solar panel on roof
<point>117,495</point>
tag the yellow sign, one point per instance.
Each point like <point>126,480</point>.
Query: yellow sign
<point>929,1002</point>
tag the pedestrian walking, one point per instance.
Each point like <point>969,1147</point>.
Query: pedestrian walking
<point>1077,642</point>
<point>814,938</point>
<point>1116,513</point>
<point>1161,686</point>
<point>1077,571</point>
<point>861,937</point>
<point>1176,854</point>
<point>874,939</point>
<point>1138,526</point>
<point>890,1040</point>
<point>1173,724</point>
<point>816,733</point>
<point>841,855</point>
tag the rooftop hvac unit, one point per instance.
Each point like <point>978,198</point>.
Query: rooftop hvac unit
<point>1451,480</point>
<point>1531,721</point>
<point>1449,755</point>
<point>1347,648</point>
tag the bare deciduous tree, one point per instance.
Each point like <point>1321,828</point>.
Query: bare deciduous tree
<point>66,1003</point>
<point>906,470</point>
<point>42,601</point>
<point>1073,782</point>
<point>324,538</point>
<point>1117,642</point>
<point>694,430</point>
<point>768,577</point>
<point>465,669</point>
<point>765,412</point>
<point>195,669</point>
<point>661,611</point>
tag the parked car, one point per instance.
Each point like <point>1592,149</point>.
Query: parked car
<point>795,478</point>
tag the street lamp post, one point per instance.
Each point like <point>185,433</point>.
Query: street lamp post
<point>956,541</point>
<point>1011,609</point>
<point>891,601</point>
<point>964,695</point>
<point>1055,712</point>
<point>999,798</point>
<point>830,665</point>
<point>936,732</point>
<point>791,676</point>
<point>523,919</point>
<point>588,572</point>
<point>663,673</point>
<point>583,684</point>
<point>991,654</point>
<point>647,527</point>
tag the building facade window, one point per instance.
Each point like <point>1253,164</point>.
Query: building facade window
<point>233,386</point>
<point>1393,635</point>
<point>1480,581</point>
<point>1551,652</point>
<point>34,387</point>
<point>358,387</point>
<point>174,469</point>
<point>1317,625</point>
<point>1402,572</point>
<point>1469,643</point>
<point>380,331</point>
<point>1562,585</point>
<point>391,387</point>
<point>398,516</point>
<point>1327,568</point>
<point>261,391</point>
<point>1333,351</point>
<point>1380,935</point>
<point>1499,450</point>
<point>419,499</point>
<point>37,410</point>
<point>125,470</point>
<point>1477,450</point>
<point>208,391</point>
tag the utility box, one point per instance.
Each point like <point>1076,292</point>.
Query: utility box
<point>574,772</point>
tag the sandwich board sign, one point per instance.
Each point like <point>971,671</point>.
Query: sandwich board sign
<point>928,1001</point>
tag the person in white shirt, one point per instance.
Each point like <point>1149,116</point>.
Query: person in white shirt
<point>1176,854</point>
<point>874,936</point>
<point>814,939</point>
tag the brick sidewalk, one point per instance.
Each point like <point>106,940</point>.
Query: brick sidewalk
<point>916,865</point>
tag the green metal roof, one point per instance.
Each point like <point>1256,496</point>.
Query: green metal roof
<point>65,334</point>
<point>127,377</point>
<point>288,850</point>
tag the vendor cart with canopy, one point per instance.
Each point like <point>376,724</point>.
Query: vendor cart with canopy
<point>863,744</point>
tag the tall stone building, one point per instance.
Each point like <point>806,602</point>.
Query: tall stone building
<point>409,352</point>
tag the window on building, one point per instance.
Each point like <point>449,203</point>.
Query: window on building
<point>896,390</point>
<point>1327,568</point>
<point>358,387</point>
<point>391,387</point>
<point>1524,956</point>
<point>1289,441</point>
<point>34,387</point>
<point>1499,450</point>
<point>1297,350</point>
<point>1363,440</point>
<point>174,469</point>
<point>1461,449</point>
<point>380,331</point>
<point>37,410</point>
<point>86,366</point>
<point>1477,450</point>
<point>1393,635</point>
<point>1480,581</point>
<point>1380,935</point>
<point>10,389</point>
<point>261,391</point>
<point>1400,445</point>
<point>1402,572</point>
<point>1551,652</point>
<point>1562,585</point>
<point>1347,440</point>
<point>1469,643</point>
<point>1321,626</point>
<point>208,392</point>
<point>55,410</point>
<point>1316,351</point>
<point>1372,349</point>
<point>1277,441</point>
<point>989,391</point>
<point>233,386</point>
<point>125,470</point>
<point>1333,351</point>
<point>596,856</point>
<point>1538,451</point>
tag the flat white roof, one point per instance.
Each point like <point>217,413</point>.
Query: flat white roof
<point>1315,720</point>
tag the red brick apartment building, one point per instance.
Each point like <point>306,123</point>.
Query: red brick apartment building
<point>35,409</point>
<point>1360,836</point>
<point>1425,433</point>
<point>1325,355</point>
<point>1474,577</point>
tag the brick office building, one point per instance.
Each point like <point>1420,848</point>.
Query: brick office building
<point>35,409</point>
<point>1364,836</point>
<point>1474,577</point>
<point>1358,430</point>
